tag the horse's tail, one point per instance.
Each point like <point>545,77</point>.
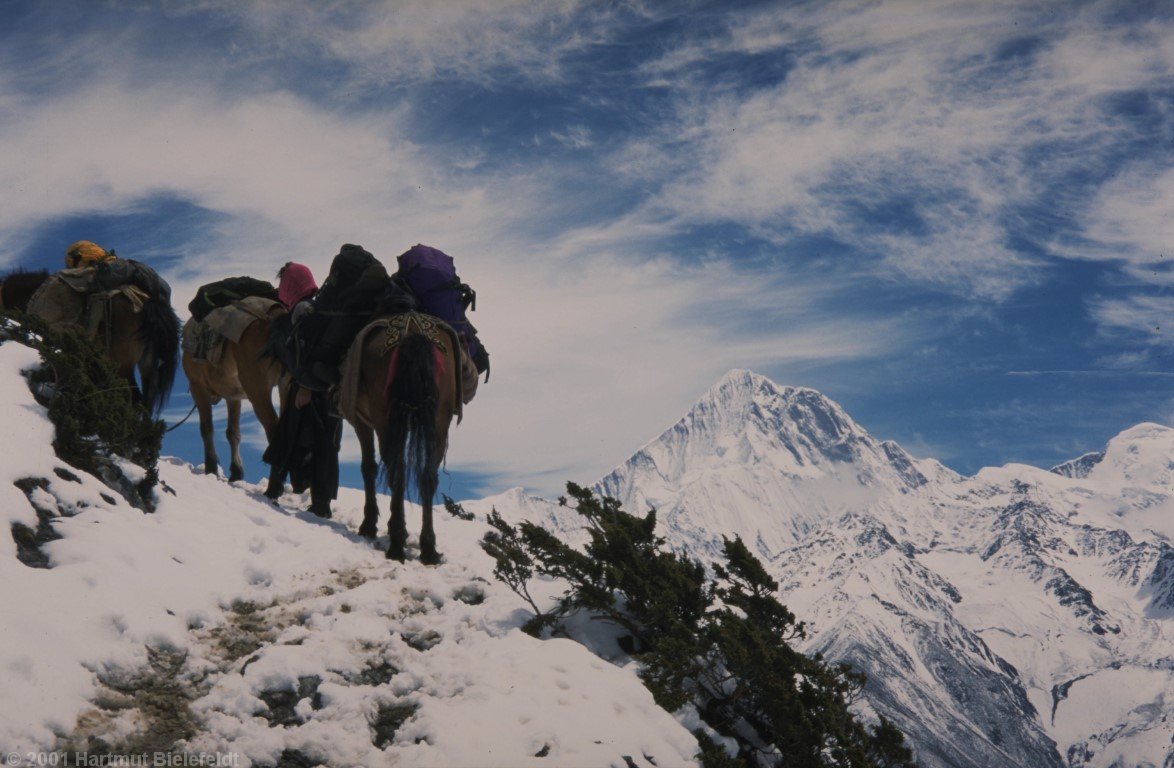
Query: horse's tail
<point>413,396</point>
<point>159,330</point>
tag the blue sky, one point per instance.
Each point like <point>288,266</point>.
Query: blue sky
<point>954,218</point>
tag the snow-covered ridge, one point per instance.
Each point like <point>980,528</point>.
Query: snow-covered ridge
<point>222,624</point>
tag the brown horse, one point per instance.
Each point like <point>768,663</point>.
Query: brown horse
<point>407,393</point>
<point>244,370</point>
<point>134,331</point>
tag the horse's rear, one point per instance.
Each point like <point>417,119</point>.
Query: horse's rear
<point>143,337</point>
<point>407,395</point>
<point>243,370</point>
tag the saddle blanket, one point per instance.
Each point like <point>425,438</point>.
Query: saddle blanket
<point>232,321</point>
<point>207,340</point>
<point>62,300</point>
<point>393,328</point>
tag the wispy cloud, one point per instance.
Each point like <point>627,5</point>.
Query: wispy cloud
<point>1092,372</point>
<point>917,134</point>
<point>411,41</point>
<point>575,137</point>
<point>592,322</point>
<point>292,180</point>
<point>1130,221</point>
<point>1150,317</point>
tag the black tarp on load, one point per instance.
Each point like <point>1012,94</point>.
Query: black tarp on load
<point>224,292</point>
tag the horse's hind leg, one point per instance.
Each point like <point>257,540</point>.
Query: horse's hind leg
<point>370,469</point>
<point>397,527</point>
<point>236,469</point>
<point>428,485</point>
<point>429,482</point>
<point>204,406</point>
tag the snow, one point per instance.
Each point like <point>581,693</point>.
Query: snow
<point>976,605</point>
<point>263,603</point>
<point>1015,617</point>
<point>1093,703</point>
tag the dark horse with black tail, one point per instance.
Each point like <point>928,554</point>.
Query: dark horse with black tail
<point>406,393</point>
<point>133,330</point>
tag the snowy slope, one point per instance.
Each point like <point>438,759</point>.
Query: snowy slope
<point>224,624</point>
<point>1019,617</point>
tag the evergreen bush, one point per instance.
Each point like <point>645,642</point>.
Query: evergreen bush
<point>721,645</point>
<point>92,408</point>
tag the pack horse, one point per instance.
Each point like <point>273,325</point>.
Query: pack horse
<point>225,357</point>
<point>126,309</point>
<point>401,386</point>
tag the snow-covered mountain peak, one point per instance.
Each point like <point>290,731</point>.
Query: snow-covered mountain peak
<point>1079,467</point>
<point>776,460</point>
<point>746,419</point>
<point>1142,455</point>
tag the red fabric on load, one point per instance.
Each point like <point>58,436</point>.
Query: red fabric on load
<point>297,282</point>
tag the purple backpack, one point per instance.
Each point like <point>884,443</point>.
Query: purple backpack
<point>431,276</point>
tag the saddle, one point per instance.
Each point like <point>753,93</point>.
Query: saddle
<point>206,340</point>
<point>75,297</point>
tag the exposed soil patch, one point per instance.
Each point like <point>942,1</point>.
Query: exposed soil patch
<point>282,704</point>
<point>388,719</point>
<point>148,706</point>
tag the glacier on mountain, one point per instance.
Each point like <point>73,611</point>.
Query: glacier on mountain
<point>1017,617</point>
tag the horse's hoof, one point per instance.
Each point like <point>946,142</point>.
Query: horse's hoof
<point>430,558</point>
<point>323,513</point>
<point>235,476</point>
<point>211,470</point>
<point>392,554</point>
<point>367,532</point>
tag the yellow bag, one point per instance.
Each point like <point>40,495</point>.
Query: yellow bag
<point>83,253</point>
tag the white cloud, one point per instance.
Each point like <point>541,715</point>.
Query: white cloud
<point>599,350</point>
<point>407,41</point>
<point>1132,220</point>
<point>1150,317</point>
<point>599,337</point>
<point>896,99</point>
<point>575,137</point>
<point>294,181</point>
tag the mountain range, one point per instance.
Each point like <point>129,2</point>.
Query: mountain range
<point>1019,617</point>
